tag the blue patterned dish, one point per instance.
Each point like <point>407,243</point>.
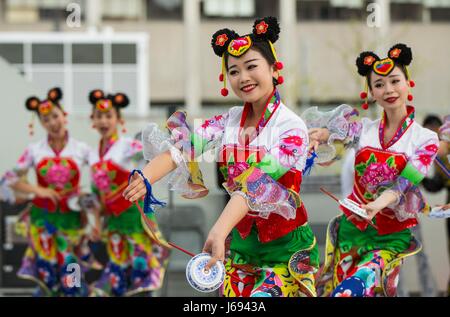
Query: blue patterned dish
<point>202,280</point>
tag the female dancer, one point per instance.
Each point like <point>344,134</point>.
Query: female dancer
<point>262,152</point>
<point>136,264</point>
<point>393,155</point>
<point>57,244</point>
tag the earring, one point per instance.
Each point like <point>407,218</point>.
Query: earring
<point>280,80</point>
<point>278,65</point>
<point>411,84</point>
<point>31,126</point>
<point>222,78</point>
<point>122,122</point>
<point>363,95</point>
<point>30,129</point>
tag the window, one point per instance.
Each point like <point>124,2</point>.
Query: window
<point>123,54</point>
<point>47,54</point>
<point>229,9</point>
<point>78,63</point>
<point>265,8</point>
<point>440,14</point>
<point>120,10</point>
<point>308,10</point>
<point>164,9</point>
<point>31,11</point>
<point>87,53</point>
<point>12,53</point>
<point>406,12</point>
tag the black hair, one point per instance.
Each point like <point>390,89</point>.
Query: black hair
<point>118,101</point>
<point>54,95</point>
<point>399,53</point>
<point>433,120</point>
<point>264,30</point>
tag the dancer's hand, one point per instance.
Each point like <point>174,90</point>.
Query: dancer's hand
<point>317,136</point>
<point>43,192</point>
<point>443,149</point>
<point>214,245</point>
<point>95,234</point>
<point>387,198</point>
<point>444,207</point>
<point>136,188</point>
<point>373,208</point>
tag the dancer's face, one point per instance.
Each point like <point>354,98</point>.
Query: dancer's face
<point>251,76</point>
<point>390,91</point>
<point>105,122</point>
<point>54,123</point>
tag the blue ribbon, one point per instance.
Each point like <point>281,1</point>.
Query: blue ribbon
<point>149,199</point>
<point>442,166</point>
<point>309,163</point>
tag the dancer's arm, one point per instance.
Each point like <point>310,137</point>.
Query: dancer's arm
<point>39,191</point>
<point>234,211</point>
<point>156,169</point>
<point>386,198</point>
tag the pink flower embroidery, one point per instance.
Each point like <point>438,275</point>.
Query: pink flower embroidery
<point>376,173</point>
<point>424,156</point>
<point>24,159</point>
<point>433,148</point>
<point>135,147</point>
<point>211,128</point>
<point>290,148</point>
<point>58,175</point>
<point>102,181</point>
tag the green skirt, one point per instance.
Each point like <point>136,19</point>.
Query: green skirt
<point>284,267</point>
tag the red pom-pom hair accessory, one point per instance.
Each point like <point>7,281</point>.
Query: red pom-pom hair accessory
<point>31,126</point>
<point>412,84</point>
<point>278,65</point>
<point>364,95</point>
<point>223,78</point>
<point>32,104</point>
<point>219,42</point>
<point>365,63</point>
<point>122,123</point>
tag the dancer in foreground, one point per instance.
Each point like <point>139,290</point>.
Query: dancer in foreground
<point>262,151</point>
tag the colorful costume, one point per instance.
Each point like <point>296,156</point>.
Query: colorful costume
<point>273,251</point>
<point>361,260</point>
<point>136,264</point>
<point>57,244</point>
